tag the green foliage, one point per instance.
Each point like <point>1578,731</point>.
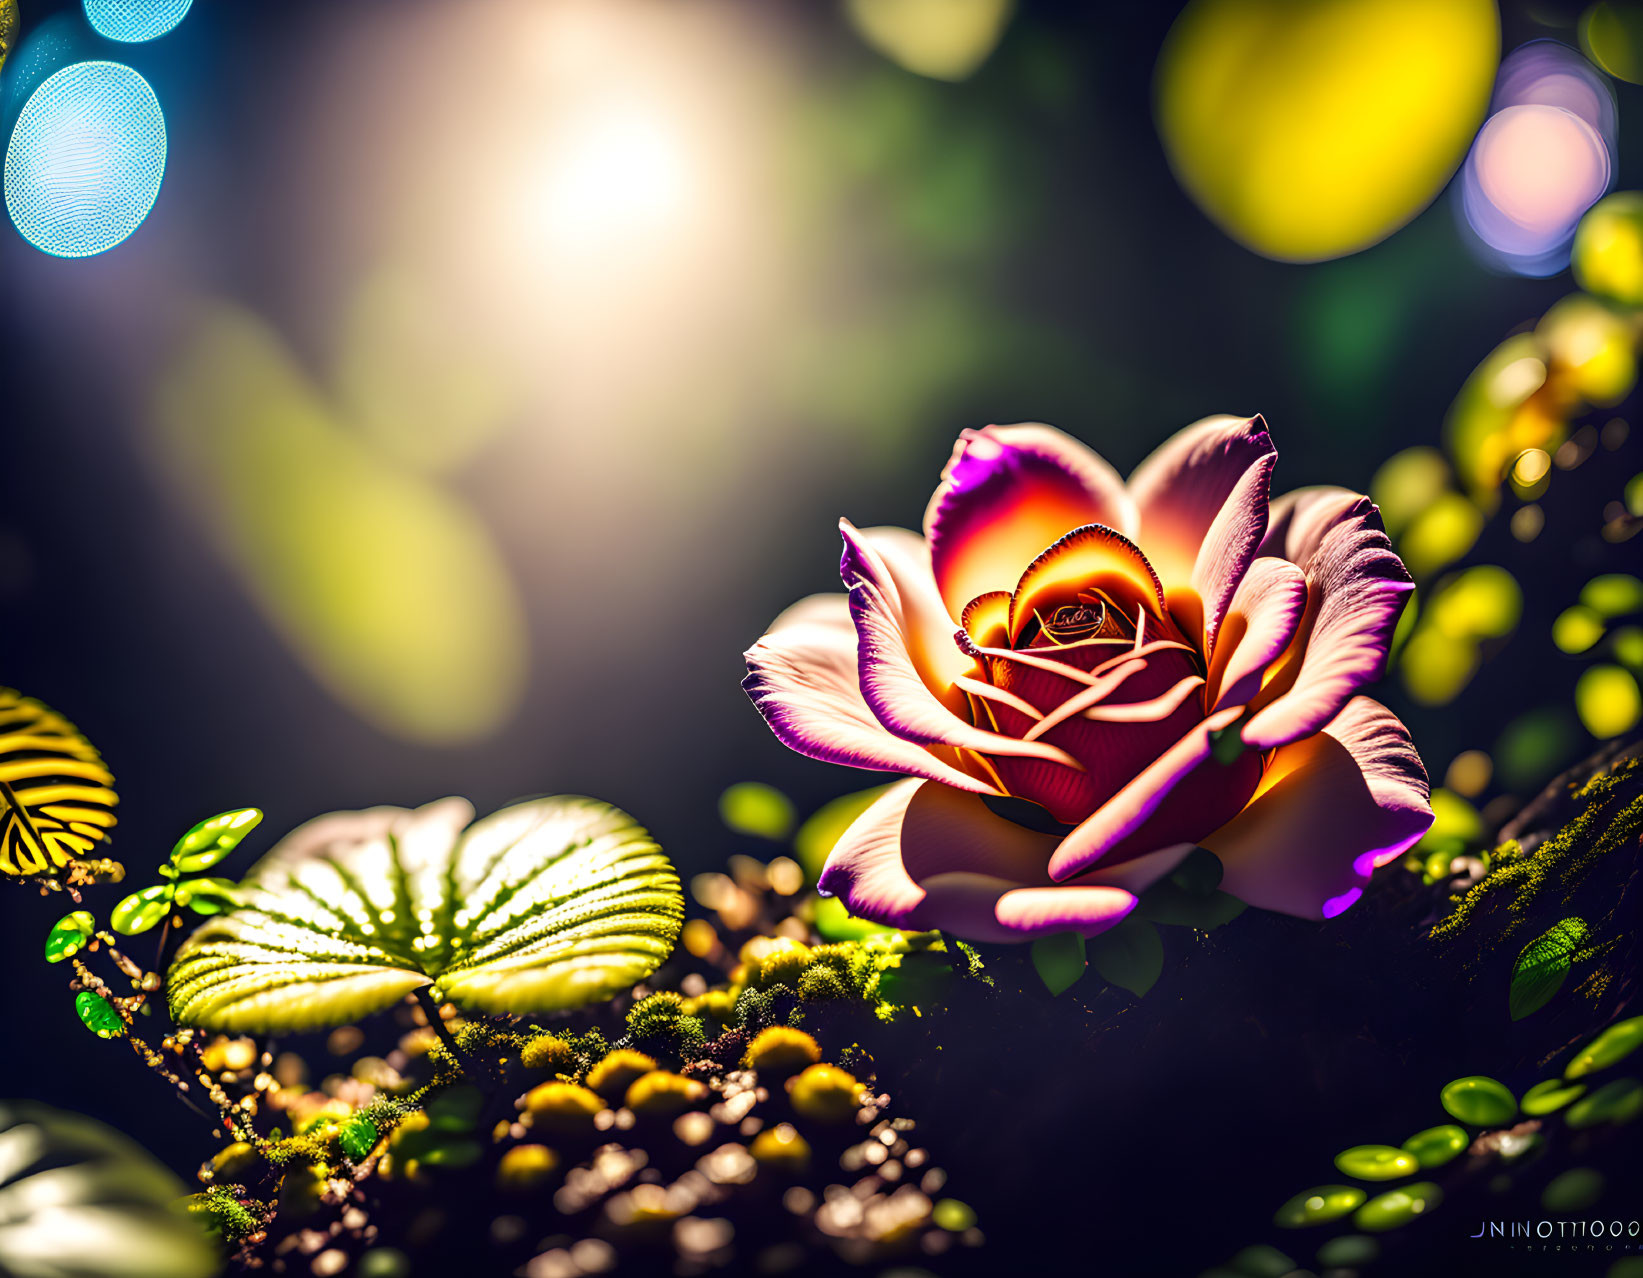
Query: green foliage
<point>753,808</point>
<point>82,1199</point>
<point>1479,1101</point>
<point>201,848</point>
<point>143,909</point>
<point>821,984</point>
<point>213,839</point>
<point>1612,1046</point>
<point>1543,966</point>
<point>1130,955</point>
<point>541,906</point>
<point>69,935</point>
<point>357,1137</point>
<point>660,1026</point>
<point>222,1214</point>
<point>1558,866</point>
<point>1059,960</point>
<point>97,1014</point>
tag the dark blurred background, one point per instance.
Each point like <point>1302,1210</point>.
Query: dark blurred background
<point>487,376</point>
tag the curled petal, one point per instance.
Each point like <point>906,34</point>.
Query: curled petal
<point>1202,502</point>
<point>803,678</point>
<point>1114,723</point>
<point>1087,559</point>
<point>1300,520</point>
<point>890,682</point>
<point>1266,611</point>
<point>902,564</point>
<point>1139,872</point>
<point>926,856</point>
<point>1124,813</point>
<point>1330,809</point>
<point>1356,588</point>
<point>1006,494</point>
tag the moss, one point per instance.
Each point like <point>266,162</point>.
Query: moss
<point>525,1168</point>
<point>223,1214</point>
<point>781,1050</point>
<point>826,1094</point>
<point>612,1076</point>
<point>562,1107</point>
<point>549,1053</point>
<point>1516,880</point>
<point>784,965</point>
<point>660,1093</point>
<point>759,1009</point>
<point>821,985</point>
<point>715,1008</point>
<point>661,1026</point>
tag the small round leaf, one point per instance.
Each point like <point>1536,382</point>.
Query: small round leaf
<point>213,839</point>
<point>69,935</point>
<point>97,1014</point>
<point>142,910</point>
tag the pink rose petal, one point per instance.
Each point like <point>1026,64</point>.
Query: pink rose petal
<point>1330,809</point>
<point>1006,494</point>
<point>926,856</point>
<point>1356,586</point>
<point>1202,502</point>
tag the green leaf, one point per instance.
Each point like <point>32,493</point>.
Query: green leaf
<point>1172,905</point>
<point>1543,966</point>
<point>1130,955</point>
<point>97,1014</point>
<point>209,896</point>
<point>751,807</point>
<point>542,906</point>
<point>357,1137</point>
<point>69,935</point>
<point>1199,874</point>
<point>142,910</point>
<point>824,827</point>
<point>83,1199</point>
<point>834,921</point>
<point>1059,960</point>
<point>213,839</point>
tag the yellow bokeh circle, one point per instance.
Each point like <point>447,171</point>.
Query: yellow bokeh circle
<point>1309,131</point>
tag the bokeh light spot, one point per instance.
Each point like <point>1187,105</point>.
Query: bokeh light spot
<point>134,21</point>
<point>85,162</point>
<point>1543,158</point>
<point>1308,131</point>
<point>1612,35</point>
<point>942,39</point>
<point>1608,249</point>
<point>1608,701</point>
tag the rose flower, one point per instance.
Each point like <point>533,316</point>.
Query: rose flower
<point>1085,679</point>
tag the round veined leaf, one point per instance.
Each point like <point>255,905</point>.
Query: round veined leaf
<point>548,904</point>
<point>142,909</point>
<point>82,1199</point>
<point>69,935</point>
<point>213,839</point>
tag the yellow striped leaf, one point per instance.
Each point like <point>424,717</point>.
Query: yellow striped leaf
<point>56,794</point>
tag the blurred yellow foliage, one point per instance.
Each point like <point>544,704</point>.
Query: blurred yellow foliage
<point>943,39</point>
<point>1308,131</point>
<point>388,588</point>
